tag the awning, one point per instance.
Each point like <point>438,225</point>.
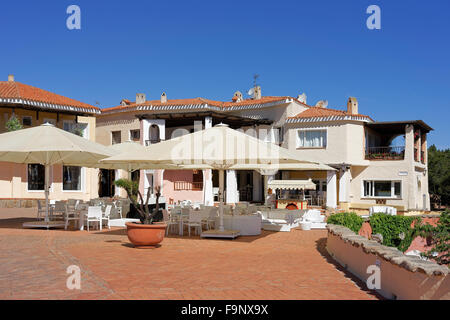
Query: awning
<point>291,184</point>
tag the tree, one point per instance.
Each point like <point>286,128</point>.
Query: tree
<point>13,124</point>
<point>439,175</point>
<point>438,237</point>
<point>135,196</point>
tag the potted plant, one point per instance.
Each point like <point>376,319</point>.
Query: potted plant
<point>150,231</point>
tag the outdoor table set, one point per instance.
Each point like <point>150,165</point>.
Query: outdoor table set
<point>81,213</point>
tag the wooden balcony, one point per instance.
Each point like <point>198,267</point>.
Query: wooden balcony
<point>188,186</point>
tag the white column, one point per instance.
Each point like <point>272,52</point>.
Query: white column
<point>232,195</point>
<point>344,185</point>
<point>331,189</point>
<point>269,199</point>
<point>221,191</point>
<point>208,196</point>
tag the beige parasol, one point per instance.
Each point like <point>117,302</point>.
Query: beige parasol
<point>48,145</point>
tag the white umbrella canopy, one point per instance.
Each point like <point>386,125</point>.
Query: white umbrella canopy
<point>48,145</point>
<point>218,148</point>
<point>131,147</point>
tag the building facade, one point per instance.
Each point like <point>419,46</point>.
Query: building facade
<point>32,107</point>
<point>375,162</point>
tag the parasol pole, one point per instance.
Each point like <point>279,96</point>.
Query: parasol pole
<point>221,187</point>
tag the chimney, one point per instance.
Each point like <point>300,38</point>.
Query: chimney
<point>10,78</point>
<point>163,98</point>
<point>140,98</point>
<point>352,105</point>
<point>322,104</point>
<point>302,98</point>
<point>257,93</point>
<point>237,97</point>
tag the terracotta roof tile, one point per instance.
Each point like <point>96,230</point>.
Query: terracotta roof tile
<point>200,101</point>
<point>17,90</point>
<point>318,112</point>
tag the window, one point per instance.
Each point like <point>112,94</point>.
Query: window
<point>135,135</point>
<point>26,121</point>
<point>116,137</point>
<point>312,139</point>
<point>80,129</point>
<point>382,189</point>
<point>36,177</point>
<point>71,178</point>
<point>135,175</point>
<point>197,180</point>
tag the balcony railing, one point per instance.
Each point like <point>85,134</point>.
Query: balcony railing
<point>152,141</point>
<point>385,153</point>
<point>190,186</point>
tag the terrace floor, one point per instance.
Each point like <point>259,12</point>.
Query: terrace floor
<point>274,265</point>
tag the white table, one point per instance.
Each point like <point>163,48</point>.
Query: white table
<point>247,225</point>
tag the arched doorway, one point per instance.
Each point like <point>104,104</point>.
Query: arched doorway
<point>153,134</point>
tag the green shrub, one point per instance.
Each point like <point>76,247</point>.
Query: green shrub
<point>13,124</point>
<point>347,219</point>
<point>396,230</point>
<point>440,238</point>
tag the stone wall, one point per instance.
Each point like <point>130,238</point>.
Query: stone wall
<point>402,277</point>
<point>18,203</point>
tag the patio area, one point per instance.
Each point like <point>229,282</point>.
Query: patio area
<point>273,265</point>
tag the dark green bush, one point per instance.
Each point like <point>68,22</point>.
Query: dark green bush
<point>347,219</point>
<point>396,230</point>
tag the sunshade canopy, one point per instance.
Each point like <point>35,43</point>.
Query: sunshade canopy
<point>128,147</point>
<point>291,185</point>
<point>218,147</point>
<point>48,145</point>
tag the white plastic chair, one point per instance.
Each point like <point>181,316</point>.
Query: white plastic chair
<point>70,214</point>
<point>94,214</point>
<point>171,220</point>
<point>41,210</point>
<point>195,220</point>
<point>105,216</point>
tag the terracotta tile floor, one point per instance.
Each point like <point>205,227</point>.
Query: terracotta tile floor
<point>280,265</point>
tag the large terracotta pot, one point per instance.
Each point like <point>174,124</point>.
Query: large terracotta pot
<point>145,234</point>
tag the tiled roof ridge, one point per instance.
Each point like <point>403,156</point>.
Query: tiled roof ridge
<point>17,90</point>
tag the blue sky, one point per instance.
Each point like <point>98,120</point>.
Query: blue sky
<point>213,48</point>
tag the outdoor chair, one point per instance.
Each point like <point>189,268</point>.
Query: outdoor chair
<point>70,215</point>
<point>94,214</point>
<point>212,215</point>
<point>106,215</point>
<point>383,209</point>
<point>195,220</point>
<point>171,220</point>
<point>41,210</point>
<point>58,210</point>
<point>118,205</point>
